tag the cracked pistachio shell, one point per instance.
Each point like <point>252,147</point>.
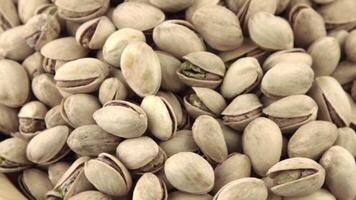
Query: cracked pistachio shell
<point>249,73</point>
<point>169,67</point>
<point>349,47</point>
<point>34,183</point>
<point>9,190</point>
<point>171,5</point>
<point>33,65</point>
<point>44,88</point>
<point>14,84</point>
<point>56,171</point>
<point>248,48</point>
<point>72,182</point>
<point>332,101</point>
<point>326,55</point>
<point>270,32</point>
<point>31,118</point>
<point>48,146</point>
<point>141,68</point>
<point>181,167</point>
<point>8,120</point>
<point>148,187</point>
<point>109,175</point>
<point>197,5</point>
<point>209,68</point>
<point>91,140</point>
<point>93,33</point>
<point>286,79</point>
<point>54,118</point>
<point>321,194</point>
<point>243,189</point>
<point>77,110</point>
<point>122,118</point>
<point>81,11</point>
<point>236,166</point>
<point>295,55</point>
<point>176,103</point>
<point>141,155</point>
<point>81,76</point>
<point>304,19</point>
<point>233,139</point>
<point>117,42</point>
<point>296,177</point>
<point>208,135</point>
<point>345,73</point>
<point>241,111</point>
<point>13,155</point>
<point>182,141</point>
<point>344,12</point>
<point>112,89</point>
<point>177,195</point>
<point>340,169</point>
<point>210,20</point>
<point>9,16</point>
<point>312,139</point>
<point>291,112</point>
<point>262,143</point>
<point>204,101</point>
<point>347,139</point>
<point>140,16</point>
<point>26,8</point>
<point>177,37</point>
<point>13,44</point>
<point>90,195</point>
<point>162,122</point>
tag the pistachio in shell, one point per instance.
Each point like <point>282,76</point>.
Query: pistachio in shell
<point>34,183</point>
<point>149,186</point>
<point>90,195</point>
<point>349,46</point>
<point>344,74</point>
<point>177,195</point>
<point>319,194</point>
<point>56,170</point>
<point>182,141</point>
<point>8,120</point>
<point>31,118</point>
<point>54,118</point>
<point>13,155</point>
<point>33,65</point>
<point>347,139</point>
<point>9,16</point>
<point>171,5</point>
<point>45,90</point>
<point>112,89</point>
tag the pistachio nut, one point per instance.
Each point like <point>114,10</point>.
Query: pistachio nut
<point>171,5</point>
<point>93,33</point>
<point>33,65</point>
<point>9,190</point>
<point>91,140</point>
<point>234,5</point>
<point>236,166</point>
<point>262,143</point>
<point>49,146</point>
<point>304,19</point>
<point>177,195</point>
<point>349,47</point>
<point>345,14</point>
<point>81,76</point>
<point>353,109</point>
<point>210,20</point>
<point>90,195</point>
<point>169,66</point>
<point>340,36</point>
<point>295,55</point>
<point>81,11</point>
<point>54,118</point>
<point>117,42</point>
<point>44,88</point>
<point>56,171</point>
<point>270,32</point>
<point>182,141</point>
<point>247,49</point>
<point>202,69</point>
<point>326,55</point>
<point>27,8</point>
<point>13,155</point>
<point>347,139</point>
<point>162,122</point>
<point>122,118</point>
<point>14,86</point>
<point>233,139</point>
<point>140,16</point>
<point>296,177</point>
<point>8,15</point>
<point>340,169</point>
<point>141,68</point>
<point>321,194</point>
<point>72,182</point>
<point>312,139</point>
<point>13,44</point>
<point>208,135</point>
<point>177,37</point>
<point>34,183</point>
<point>181,168</point>
<point>332,101</point>
<point>291,112</point>
<point>204,101</point>
<point>108,175</point>
<point>112,89</point>
<point>31,118</point>
<point>141,155</point>
<point>55,57</point>
<point>149,186</point>
<point>197,5</point>
<point>249,73</point>
<point>241,111</point>
<point>8,120</point>
<point>244,189</point>
<point>75,114</point>
<point>345,73</point>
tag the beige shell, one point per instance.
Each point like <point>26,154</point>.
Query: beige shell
<point>347,139</point>
<point>44,88</point>
<point>141,68</point>
<point>140,16</point>
<point>8,120</point>
<point>54,118</point>
<point>14,151</point>
<point>345,72</point>
<point>349,47</point>
<point>33,65</point>
<point>34,110</point>
<point>112,89</point>
<point>26,9</point>
<point>344,14</point>
<point>233,138</point>
<point>247,47</point>
<point>177,37</point>
<point>90,195</point>
<point>270,32</point>
<point>321,194</point>
<point>34,183</point>
<point>197,5</point>
<point>340,36</point>
<point>181,167</point>
<point>182,141</point>
<point>56,171</point>
<point>31,119</point>
<point>171,5</point>
<point>149,186</point>
<point>9,15</point>
<point>177,195</point>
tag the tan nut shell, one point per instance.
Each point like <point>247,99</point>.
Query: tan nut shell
<point>349,46</point>
<point>177,195</point>
<point>172,5</point>
<point>90,195</point>
<point>148,187</point>
<point>344,14</point>
<point>56,170</point>
<point>45,90</point>
<point>295,55</point>
<point>176,103</point>
<point>321,194</point>
<point>34,183</point>
<point>8,120</point>
<point>14,150</point>
<point>347,139</point>
<point>182,141</point>
<point>34,110</point>
<point>345,72</point>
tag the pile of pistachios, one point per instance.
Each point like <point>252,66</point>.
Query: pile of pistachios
<point>177,99</point>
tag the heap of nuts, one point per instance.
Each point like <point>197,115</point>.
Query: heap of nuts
<point>177,99</point>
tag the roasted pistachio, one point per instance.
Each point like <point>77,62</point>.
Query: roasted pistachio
<point>33,65</point>
<point>8,120</point>
<point>44,88</point>
<point>295,55</point>
<point>31,118</point>
<point>182,141</point>
<point>8,15</point>
<point>112,89</point>
<point>56,170</point>
<point>13,155</point>
<point>90,195</point>
<point>34,183</point>
<point>347,139</point>
<point>149,186</point>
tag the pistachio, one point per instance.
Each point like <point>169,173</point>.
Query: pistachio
<point>344,14</point>
<point>44,88</point>
<point>33,65</point>
<point>34,183</point>
<point>248,49</point>
<point>31,118</point>
<point>177,195</point>
<point>8,189</point>
<point>171,5</point>
<point>56,171</point>
<point>197,5</point>
<point>8,120</point>
<point>8,15</point>
<point>54,118</point>
<point>233,139</point>
<point>112,89</point>
<point>345,73</point>
<point>26,9</point>
<point>319,194</point>
<point>182,141</point>
<point>349,47</point>
<point>149,186</point>
<point>13,155</point>
<point>347,139</point>
<point>90,195</point>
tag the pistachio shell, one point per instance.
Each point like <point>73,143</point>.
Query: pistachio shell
<point>34,183</point>
<point>182,141</point>
<point>347,139</point>
<point>9,15</point>
<point>148,187</point>
<point>247,47</point>
<point>13,155</point>
<point>349,47</point>
<point>90,195</point>
<point>199,4</point>
<point>252,7</point>
<point>33,65</point>
<point>33,109</point>
<point>172,5</point>
<point>141,68</point>
<point>31,118</point>
<point>13,44</point>
<point>56,171</point>
<point>8,120</point>
<point>345,72</point>
<point>112,89</point>
<point>175,102</point>
<point>44,88</point>
<point>291,55</point>
<point>177,195</point>
<point>26,9</point>
<point>344,13</point>
<point>321,194</point>
<point>9,190</point>
<point>54,118</point>
<point>233,139</point>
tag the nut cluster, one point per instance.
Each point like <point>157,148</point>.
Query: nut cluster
<point>177,99</point>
